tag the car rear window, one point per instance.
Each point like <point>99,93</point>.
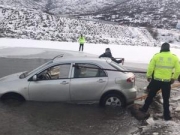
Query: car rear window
<point>117,66</point>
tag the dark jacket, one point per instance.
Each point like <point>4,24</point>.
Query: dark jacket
<point>106,54</point>
<point>109,55</point>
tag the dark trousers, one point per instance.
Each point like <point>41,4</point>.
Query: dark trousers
<point>155,86</point>
<point>151,82</point>
<point>150,85</point>
<point>81,46</point>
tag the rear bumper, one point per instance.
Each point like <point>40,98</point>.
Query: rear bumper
<point>131,95</point>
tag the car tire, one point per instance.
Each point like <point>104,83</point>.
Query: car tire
<point>113,100</point>
<point>12,99</point>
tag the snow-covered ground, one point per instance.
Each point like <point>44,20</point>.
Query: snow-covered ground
<point>135,54</point>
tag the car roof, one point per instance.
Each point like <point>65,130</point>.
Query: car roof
<point>79,59</point>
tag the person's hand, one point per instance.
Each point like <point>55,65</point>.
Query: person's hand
<point>148,79</point>
<point>179,78</point>
<point>122,61</point>
<point>172,81</point>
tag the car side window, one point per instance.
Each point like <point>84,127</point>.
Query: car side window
<point>87,71</point>
<point>55,72</point>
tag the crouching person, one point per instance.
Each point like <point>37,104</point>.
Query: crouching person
<point>109,55</point>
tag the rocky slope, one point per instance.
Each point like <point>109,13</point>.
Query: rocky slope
<point>156,13</point>
<point>41,26</point>
<point>62,6</point>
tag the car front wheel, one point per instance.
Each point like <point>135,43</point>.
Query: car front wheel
<point>113,100</point>
<point>12,99</point>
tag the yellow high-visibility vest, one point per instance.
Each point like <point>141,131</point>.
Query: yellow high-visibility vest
<point>164,64</point>
<point>81,40</point>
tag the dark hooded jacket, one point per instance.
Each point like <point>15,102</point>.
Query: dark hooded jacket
<point>109,55</point>
<point>106,54</point>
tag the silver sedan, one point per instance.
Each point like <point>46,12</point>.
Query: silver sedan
<point>77,80</point>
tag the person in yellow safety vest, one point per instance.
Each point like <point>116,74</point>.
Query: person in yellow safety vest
<point>81,41</point>
<point>163,64</point>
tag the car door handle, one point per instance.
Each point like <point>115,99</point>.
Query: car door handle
<point>64,82</point>
<point>101,81</point>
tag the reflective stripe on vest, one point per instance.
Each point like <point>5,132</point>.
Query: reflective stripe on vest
<point>162,80</point>
<point>166,67</point>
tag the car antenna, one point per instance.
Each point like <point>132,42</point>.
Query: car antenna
<point>58,56</point>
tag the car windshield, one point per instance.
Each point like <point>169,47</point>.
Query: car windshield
<point>25,74</point>
<point>117,66</point>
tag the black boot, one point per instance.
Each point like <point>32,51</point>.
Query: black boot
<point>142,110</point>
<point>166,118</point>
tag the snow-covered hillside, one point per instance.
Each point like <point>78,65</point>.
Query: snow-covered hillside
<point>62,6</point>
<point>158,13</point>
<point>37,25</point>
<point>172,36</point>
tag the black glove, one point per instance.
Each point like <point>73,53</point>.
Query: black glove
<point>172,81</point>
<point>179,78</point>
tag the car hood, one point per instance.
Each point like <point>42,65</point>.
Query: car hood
<point>11,77</point>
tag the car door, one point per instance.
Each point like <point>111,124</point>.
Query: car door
<point>87,83</point>
<point>52,84</point>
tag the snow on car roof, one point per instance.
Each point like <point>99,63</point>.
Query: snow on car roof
<point>79,59</point>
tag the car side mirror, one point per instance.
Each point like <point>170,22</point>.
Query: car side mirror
<point>34,78</point>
